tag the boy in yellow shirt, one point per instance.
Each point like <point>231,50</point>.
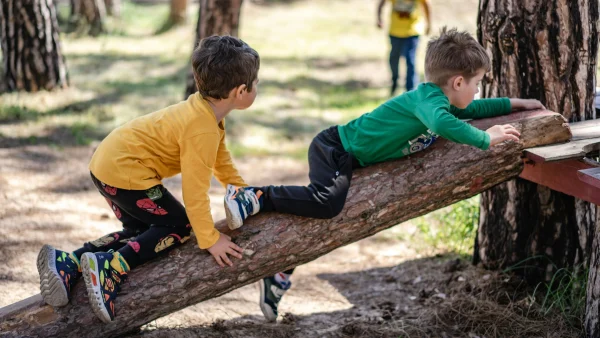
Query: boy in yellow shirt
<point>406,25</point>
<point>129,164</point>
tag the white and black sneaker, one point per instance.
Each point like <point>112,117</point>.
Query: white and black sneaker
<point>240,203</point>
<point>271,292</point>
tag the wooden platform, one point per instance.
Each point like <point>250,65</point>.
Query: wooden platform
<point>567,167</point>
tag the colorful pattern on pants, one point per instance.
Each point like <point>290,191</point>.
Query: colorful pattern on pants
<point>154,221</point>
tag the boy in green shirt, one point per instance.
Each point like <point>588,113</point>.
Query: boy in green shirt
<point>455,63</point>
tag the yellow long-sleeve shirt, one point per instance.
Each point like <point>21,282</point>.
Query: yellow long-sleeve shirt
<point>406,18</point>
<point>183,138</point>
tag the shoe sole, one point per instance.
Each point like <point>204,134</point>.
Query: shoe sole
<point>234,220</point>
<point>52,288</point>
<point>264,307</point>
<point>89,268</point>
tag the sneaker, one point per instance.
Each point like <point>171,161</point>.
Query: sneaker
<point>59,271</point>
<point>239,204</point>
<point>103,282</point>
<point>271,292</point>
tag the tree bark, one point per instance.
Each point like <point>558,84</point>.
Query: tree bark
<point>592,308</point>
<point>545,50</point>
<point>31,49</point>
<point>380,196</point>
<point>216,17</point>
<point>178,14</point>
<point>87,16</point>
<point>113,7</point>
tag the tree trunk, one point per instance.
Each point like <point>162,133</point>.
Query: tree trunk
<point>380,197</point>
<point>87,16</point>
<point>31,48</point>
<point>178,14</point>
<point>113,7</point>
<point>545,50</point>
<point>217,17</point>
<point>592,309</point>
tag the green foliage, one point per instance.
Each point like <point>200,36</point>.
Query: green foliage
<point>12,113</point>
<point>452,228</point>
<point>82,132</point>
<point>566,292</point>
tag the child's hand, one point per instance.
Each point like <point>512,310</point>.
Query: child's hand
<point>223,247</point>
<point>501,133</point>
<point>525,104</point>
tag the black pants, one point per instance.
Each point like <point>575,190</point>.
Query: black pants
<point>154,221</point>
<point>330,173</point>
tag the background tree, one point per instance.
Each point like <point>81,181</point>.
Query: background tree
<point>87,16</point>
<point>178,14</point>
<point>218,17</point>
<point>31,48</point>
<point>545,50</point>
<point>113,7</point>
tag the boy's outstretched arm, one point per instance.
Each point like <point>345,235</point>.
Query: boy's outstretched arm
<point>484,108</point>
<point>525,104</point>
<point>439,120</point>
<point>197,154</point>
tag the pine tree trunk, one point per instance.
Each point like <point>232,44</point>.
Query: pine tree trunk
<point>178,14</point>
<point>543,49</point>
<point>87,16</point>
<point>31,49</point>
<point>380,196</point>
<point>217,17</point>
<point>592,310</point>
<point>113,7</point>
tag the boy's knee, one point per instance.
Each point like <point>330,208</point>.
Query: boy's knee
<point>336,205</point>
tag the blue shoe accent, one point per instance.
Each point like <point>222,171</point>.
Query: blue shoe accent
<point>271,292</point>
<point>59,271</point>
<point>239,204</point>
<point>103,282</point>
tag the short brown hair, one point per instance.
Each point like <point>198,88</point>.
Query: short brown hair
<point>221,63</point>
<point>454,53</point>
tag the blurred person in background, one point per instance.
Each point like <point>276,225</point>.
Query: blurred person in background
<point>409,20</point>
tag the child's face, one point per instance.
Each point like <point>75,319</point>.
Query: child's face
<point>465,90</point>
<point>247,98</point>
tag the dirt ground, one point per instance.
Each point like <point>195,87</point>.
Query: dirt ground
<point>382,286</point>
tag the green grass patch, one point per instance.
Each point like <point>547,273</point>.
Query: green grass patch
<point>566,293</point>
<point>13,114</point>
<point>452,228</point>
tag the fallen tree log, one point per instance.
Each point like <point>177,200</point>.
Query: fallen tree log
<point>380,196</point>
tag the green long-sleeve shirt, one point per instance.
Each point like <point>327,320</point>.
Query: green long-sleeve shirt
<point>412,121</point>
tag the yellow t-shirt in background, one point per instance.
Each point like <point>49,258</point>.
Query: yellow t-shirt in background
<point>183,138</point>
<point>407,18</point>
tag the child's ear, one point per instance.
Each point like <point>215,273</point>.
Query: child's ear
<point>238,91</point>
<point>241,89</point>
<point>458,82</point>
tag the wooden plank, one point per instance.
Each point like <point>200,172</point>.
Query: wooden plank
<point>562,176</point>
<point>585,129</point>
<point>564,151</point>
<point>586,138</point>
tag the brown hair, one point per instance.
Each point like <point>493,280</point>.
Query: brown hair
<point>454,53</point>
<point>221,63</point>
